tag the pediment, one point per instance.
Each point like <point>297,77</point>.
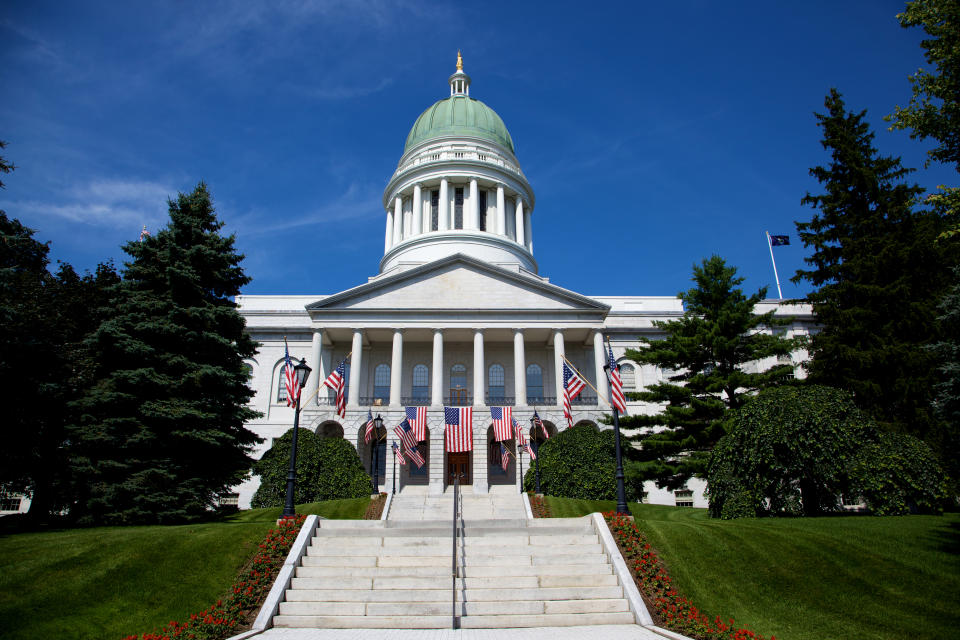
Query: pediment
<point>458,283</point>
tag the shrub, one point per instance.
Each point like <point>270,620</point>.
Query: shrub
<point>327,469</point>
<point>581,463</point>
<point>897,474</point>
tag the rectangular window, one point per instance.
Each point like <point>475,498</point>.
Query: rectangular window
<point>434,210</point>
<point>458,208</point>
<point>9,503</point>
<point>483,211</point>
<point>683,498</point>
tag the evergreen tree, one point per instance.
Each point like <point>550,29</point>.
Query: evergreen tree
<point>878,276</point>
<point>710,358</point>
<point>161,431</point>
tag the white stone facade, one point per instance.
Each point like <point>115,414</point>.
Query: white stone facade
<point>457,315</point>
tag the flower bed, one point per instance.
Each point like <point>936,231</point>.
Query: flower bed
<point>375,508</point>
<point>670,609</point>
<point>538,506</point>
<point>224,619</point>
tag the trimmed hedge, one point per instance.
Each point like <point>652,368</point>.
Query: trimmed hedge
<point>581,463</point>
<point>327,469</point>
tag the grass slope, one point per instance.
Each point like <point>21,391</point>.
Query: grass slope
<point>109,582</point>
<point>848,577</point>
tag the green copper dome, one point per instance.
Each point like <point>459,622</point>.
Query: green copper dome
<point>459,115</point>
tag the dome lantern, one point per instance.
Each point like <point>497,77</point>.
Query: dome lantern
<point>459,81</point>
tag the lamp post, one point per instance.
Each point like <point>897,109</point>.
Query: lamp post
<point>394,469</point>
<point>375,455</point>
<point>303,372</point>
<point>533,430</point>
<point>621,492</point>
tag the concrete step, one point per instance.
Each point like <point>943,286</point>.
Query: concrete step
<point>544,620</point>
<point>471,571</point>
<point>445,548</point>
<point>431,582</point>
<point>417,572</point>
<point>443,595</point>
<point>440,608</point>
<point>362,622</point>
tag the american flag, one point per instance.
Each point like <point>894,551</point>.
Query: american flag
<point>616,384</point>
<point>405,432</point>
<point>572,386</point>
<point>522,440</point>
<point>416,457</point>
<point>370,425</point>
<point>504,457</point>
<point>539,423</point>
<point>502,420</point>
<point>397,451</point>
<point>290,378</point>
<point>458,423</point>
<point>336,382</point>
<point>418,418</point>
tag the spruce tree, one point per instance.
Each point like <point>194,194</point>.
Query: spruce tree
<point>878,276</point>
<point>710,358</point>
<point>162,427</point>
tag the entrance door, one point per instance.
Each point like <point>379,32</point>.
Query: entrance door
<point>459,463</point>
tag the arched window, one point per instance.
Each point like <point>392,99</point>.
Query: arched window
<point>421,382</point>
<point>534,384</point>
<point>458,384</point>
<point>281,385</point>
<point>495,383</point>
<point>628,375</point>
<point>381,382</point>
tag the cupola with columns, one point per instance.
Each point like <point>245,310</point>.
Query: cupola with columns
<point>458,189</point>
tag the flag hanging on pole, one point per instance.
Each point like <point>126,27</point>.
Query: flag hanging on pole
<point>504,457</point>
<point>418,418</point>
<point>144,233</point>
<point>776,241</point>
<point>522,440</point>
<point>399,453</point>
<point>458,423</point>
<point>537,422</point>
<point>336,382</point>
<point>616,384</point>
<point>290,377</point>
<point>572,386</point>
<point>502,421</point>
<point>779,241</point>
<point>405,432</point>
<point>416,457</point>
<point>370,425</point>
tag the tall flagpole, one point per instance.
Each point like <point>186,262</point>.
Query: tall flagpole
<point>776,277</point>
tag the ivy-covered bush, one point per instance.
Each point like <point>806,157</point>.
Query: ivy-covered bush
<point>327,469</point>
<point>796,450</point>
<point>581,463</point>
<point>897,474</point>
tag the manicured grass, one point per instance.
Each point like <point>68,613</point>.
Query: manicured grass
<point>109,582</point>
<point>845,577</point>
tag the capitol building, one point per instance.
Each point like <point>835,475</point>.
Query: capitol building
<point>457,314</point>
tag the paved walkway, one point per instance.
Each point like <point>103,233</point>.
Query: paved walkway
<point>600,632</point>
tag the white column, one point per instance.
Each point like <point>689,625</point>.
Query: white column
<point>501,212</point>
<point>519,220</point>
<point>388,236</point>
<point>527,230</point>
<point>444,212</point>
<point>519,369</point>
<point>474,206</point>
<point>417,210</point>
<point>478,369</point>
<point>600,359</point>
<point>396,367</point>
<point>436,395</point>
<point>397,220</point>
<point>356,362</point>
<point>315,361</point>
<point>558,352</point>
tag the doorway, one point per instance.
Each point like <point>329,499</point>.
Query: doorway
<point>459,464</point>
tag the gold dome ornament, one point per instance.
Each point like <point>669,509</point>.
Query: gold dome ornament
<point>459,61</point>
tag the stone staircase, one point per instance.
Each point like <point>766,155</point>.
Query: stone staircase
<point>397,574</point>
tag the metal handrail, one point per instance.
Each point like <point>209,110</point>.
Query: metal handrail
<point>453,611</point>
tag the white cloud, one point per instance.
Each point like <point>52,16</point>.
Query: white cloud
<point>103,203</point>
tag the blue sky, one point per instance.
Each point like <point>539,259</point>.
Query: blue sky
<point>654,134</point>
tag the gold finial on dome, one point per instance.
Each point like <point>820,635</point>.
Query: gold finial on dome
<point>459,61</point>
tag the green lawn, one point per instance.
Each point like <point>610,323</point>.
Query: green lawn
<point>845,577</point>
<point>109,582</point>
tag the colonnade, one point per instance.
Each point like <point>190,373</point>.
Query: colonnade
<point>404,223</point>
<point>320,360</point>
